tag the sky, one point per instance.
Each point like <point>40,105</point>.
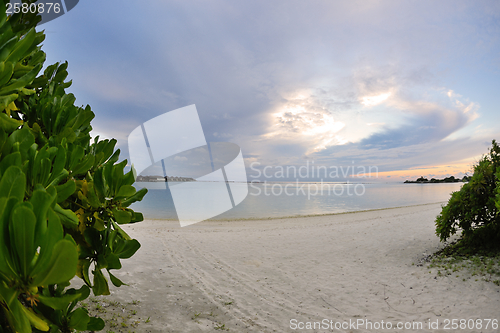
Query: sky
<point>408,88</point>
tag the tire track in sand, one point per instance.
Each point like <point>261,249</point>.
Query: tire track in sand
<point>212,276</point>
<point>210,286</point>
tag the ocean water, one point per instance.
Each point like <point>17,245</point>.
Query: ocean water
<point>266,200</point>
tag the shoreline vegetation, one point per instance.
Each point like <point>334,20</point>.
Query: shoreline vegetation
<point>472,212</point>
<point>64,196</point>
<point>450,179</point>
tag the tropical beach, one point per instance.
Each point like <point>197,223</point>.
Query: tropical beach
<point>273,275</point>
<point>249,166</point>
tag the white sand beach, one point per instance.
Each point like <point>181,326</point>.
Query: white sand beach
<point>277,275</point>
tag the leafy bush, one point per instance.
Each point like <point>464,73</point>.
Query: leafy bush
<point>62,196</point>
<point>475,208</point>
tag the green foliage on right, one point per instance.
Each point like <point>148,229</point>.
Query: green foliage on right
<point>475,208</point>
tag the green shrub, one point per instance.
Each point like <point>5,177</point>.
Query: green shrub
<point>62,197</point>
<point>475,208</point>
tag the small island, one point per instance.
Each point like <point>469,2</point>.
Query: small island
<point>450,179</point>
<point>163,179</point>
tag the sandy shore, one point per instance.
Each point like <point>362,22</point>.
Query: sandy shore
<point>277,275</point>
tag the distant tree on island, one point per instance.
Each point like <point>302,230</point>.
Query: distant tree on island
<point>450,179</point>
<point>474,210</point>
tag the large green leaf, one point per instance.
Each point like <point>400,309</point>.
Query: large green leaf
<point>84,165</point>
<point>84,292</point>
<point>79,319</point>
<point>6,71</point>
<point>61,73</point>
<point>59,303</point>
<point>94,238</point>
<point>100,184</point>
<point>65,190</point>
<point>7,47</point>
<point>21,48</point>
<point>95,324</point>
<point>23,138</point>
<point>35,320</point>
<point>58,164</point>
<point>16,315</point>
<point>6,123</point>
<point>5,268</point>
<point>122,232</point>
<point>113,261</point>
<point>16,85</point>
<point>92,197</point>
<point>118,180</point>
<point>62,266</point>
<point>53,235</point>
<point>7,265</point>
<point>84,266</point>
<point>125,191</point>
<point>122,216</point>
<point>68,217</point>
<point>100,284</point>
<point>116,281</point>
<point>22,231</point>
<point>13,183</point>
<point>75,156</point>
<point>21,321</point>
<point>138,217</point>
<point>9,295</point>
<point>129,249</point>
<point>136,197</point>
<point>9,160</point>
<point>41,201</point>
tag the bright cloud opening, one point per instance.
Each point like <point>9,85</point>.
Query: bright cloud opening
<point>317,129</point>
<point>374,100</point>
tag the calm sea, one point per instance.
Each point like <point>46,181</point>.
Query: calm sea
<point>292,199</point>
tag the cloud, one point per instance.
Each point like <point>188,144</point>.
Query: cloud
<point>180,158</point>
<point>108,86</point>
<point>374,100</point>
<point>224,116</point>
<point>306,125</point>
<point>374,108</point>
<point>424,121</point>
<point>222,135</point>
<point>446,152</point>
<point>288,80</point>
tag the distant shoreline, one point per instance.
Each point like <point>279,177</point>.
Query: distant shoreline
<point>301,216</point>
